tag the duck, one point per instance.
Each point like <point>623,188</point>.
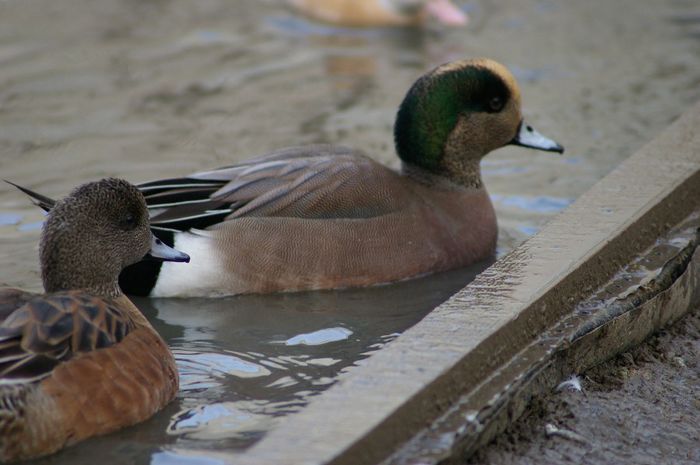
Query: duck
<point>374,13</point>
<point>330,217</point>
<point>80,359</point>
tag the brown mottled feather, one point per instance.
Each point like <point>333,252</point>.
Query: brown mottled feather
<point>90,365</point>
<point>47,330</point>
<point>137,386</point>
<point>78,363</point>
<point>11,299</point>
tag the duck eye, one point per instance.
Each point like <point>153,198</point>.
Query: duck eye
<point>129,221</point>
<point>496,104</point>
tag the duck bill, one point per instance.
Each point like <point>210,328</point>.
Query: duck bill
<point>446,12</point>
<point>528,137</point>
<point>162,252</point>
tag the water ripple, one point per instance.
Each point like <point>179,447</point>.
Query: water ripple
<point>317,338</point>
<point>538,204</point>
<point>9,219</point>
<point>199,370</point>
<point>227,419</point>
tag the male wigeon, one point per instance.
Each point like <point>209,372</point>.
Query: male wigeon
<point>326,217</point>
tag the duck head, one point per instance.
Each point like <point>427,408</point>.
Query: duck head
<point>455,114</point>
<point>91,235</point>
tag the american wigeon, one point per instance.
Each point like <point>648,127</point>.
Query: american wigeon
<point>381,12</point>
<point>81,360</point>
<point>324,217</point>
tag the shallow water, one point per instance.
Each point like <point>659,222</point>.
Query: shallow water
<point>246,361</point>
<point>149,89</point>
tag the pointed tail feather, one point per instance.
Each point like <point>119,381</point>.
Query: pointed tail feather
<point>39,200</point>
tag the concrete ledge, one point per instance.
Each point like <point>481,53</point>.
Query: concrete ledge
<point>464,344</point>
<point>657,288</point>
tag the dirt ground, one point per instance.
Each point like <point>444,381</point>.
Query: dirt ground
<point>642,407</point>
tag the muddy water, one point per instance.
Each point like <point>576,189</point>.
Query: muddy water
<point>246,361</point>
<point>147,89</point>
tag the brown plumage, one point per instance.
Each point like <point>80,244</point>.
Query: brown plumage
<point>321,217</point>
<point>338,219</point>
<point>81,360</point>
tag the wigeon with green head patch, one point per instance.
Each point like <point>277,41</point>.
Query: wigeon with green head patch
<point>329,217</point>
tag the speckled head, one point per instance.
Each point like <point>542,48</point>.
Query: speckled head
<point>93,233</point>
<point>457,113</point>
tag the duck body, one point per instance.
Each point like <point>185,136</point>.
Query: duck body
<point>75,363</point>
<point>355,12</point>
<point>321,217</point>
<point>96,384</point>
<point>374,13</point>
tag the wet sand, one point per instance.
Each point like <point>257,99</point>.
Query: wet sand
<point>641,407</point>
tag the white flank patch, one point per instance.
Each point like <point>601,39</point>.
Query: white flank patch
<point>201,276</point>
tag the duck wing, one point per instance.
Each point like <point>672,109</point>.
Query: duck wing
<point>317,181</point>
<point>45,331</point>
<point>11,299</point>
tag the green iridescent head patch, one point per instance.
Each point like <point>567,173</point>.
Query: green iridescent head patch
<point>434,103</point>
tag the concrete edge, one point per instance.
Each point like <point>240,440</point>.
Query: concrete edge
<point>591,334</point>
<point>386,400</point>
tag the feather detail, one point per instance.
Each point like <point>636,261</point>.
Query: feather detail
<point>48,330</point>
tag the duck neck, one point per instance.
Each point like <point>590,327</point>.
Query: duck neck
<point>457,173</point>
<point>457,159</point>
<point>70,265</point>
<point>465,171</point>
<point>461,155</point>
<point>429,178</point>
<point>57,279</point>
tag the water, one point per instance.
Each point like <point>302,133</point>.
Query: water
<point>157,88</point>
<point>246,361</point>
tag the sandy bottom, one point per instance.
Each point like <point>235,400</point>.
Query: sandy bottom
<point>642,407</point>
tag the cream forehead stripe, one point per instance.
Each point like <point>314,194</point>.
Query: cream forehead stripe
<point>489,64</point>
